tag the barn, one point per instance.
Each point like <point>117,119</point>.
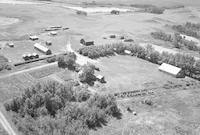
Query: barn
<point>172,70</point>
<point>86,43</point>
<point>41,48</point>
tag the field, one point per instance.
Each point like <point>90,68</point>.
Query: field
<point>34,18</point>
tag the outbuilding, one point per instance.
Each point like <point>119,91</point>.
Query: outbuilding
<point>33,38</point>
<point>86,43</point>
<point>115,12</point>
<point>100,78</point>
<point>127,52</point>
<point>81,13</point>
<point>10,44</point>
<point>43,49</point>
<point>172,70</point>
<point>48,43</point>
<point>53,33</point>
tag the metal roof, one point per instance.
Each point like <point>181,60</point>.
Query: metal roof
<point>169,69</point>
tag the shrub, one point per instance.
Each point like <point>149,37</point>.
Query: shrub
<point>67,61</point>
<point>162,36</point>
<point>51,59</point>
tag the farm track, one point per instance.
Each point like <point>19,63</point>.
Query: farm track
<point>6,125</point>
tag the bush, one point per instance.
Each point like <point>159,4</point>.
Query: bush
<point>162,36</point>
<point>155,10</point>
<point>51,59</point>
<point>87,74</point>
<point>67,61</point>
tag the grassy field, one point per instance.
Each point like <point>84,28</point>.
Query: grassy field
<point>172,113</point>
<point>126,73</point>
<point>33,19</point>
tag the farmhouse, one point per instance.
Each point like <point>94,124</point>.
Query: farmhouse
<point>172,70</point>
<point>86,43</point>
<point>41,48</point>
<point>33,38</point>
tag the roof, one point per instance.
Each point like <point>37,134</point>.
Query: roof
<point>53,33</point>
<point>127,51</point>
<point>42,48</point>
<point>33,37</point>
<point>99,76</point>
<point>169,69</point>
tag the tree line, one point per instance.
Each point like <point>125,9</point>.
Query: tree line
<point>186,62</point>
<point>176,39</point>
<point>53,109</point>
<point>190,29</point>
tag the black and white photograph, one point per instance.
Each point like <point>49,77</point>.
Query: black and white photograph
<point>99,67</point>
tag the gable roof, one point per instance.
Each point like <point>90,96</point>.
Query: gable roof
<point>169,69</point>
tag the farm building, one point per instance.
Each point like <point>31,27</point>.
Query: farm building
<point>172,70</point>
<point>127,52</point>
<point>81,13</point>
<point>115,12</point>
<point>128,40</point>
<point>33,38</point>
<point>100,78</point>
<point>48,43</point>
<point>53,33</point>
<point>58,27</point>
<point>10,44</point>
<point>41,48</point>
<point>86,43</point>
<point>112,36</point>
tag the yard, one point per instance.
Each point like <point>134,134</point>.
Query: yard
<point>127,73</point>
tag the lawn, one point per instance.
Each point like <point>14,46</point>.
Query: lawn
<point>127,73</point>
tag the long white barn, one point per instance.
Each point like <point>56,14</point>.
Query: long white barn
<point>41,48</point>
<point>172,70</point>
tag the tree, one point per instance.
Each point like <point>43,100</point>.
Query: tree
<point>86,75</point>
<point>68,61</point>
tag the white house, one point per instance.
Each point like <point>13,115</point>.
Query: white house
<point>172,70</point>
